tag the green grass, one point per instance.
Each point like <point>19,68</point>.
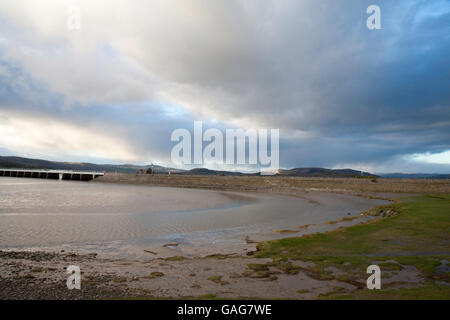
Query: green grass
<point>221,256</point>
<point>154,275</point>
<point>418,236</point>
<point>301,291</point>
<point>258,267</point>
<point>218,280</point>
<point>175,258</point>
<point>120,280</point>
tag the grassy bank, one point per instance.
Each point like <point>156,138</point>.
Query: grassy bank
<point>416,240</point>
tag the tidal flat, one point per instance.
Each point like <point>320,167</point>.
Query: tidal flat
<point>318,248</point>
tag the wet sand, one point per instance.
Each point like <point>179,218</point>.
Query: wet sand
<point>42,276</point>
<point>39,275</point>
<point>283,184</point>
<point>191,264</point>
<point>126,221</point>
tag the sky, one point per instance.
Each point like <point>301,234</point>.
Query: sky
<point>342,96</point>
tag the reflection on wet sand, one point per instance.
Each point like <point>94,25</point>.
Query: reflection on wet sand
<point>133,221</point>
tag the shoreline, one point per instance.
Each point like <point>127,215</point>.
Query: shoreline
<point>221,274</point>
<point>42,275</point>
<point>296,214</point>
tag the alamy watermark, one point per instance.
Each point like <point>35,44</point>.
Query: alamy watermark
<point>73,18</point>
<point>74,280</point>
<point>242,147</point>
<point>374,280</point>
<point>373,22</point>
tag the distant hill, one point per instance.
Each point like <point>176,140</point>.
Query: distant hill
<point>19,162</point>
<point>322,172</point>
<point>297,172</point>
<point>209,172</point>
<point>441,176</point>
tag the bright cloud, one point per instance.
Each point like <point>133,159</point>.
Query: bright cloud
<point>56,138</point>
<point>338,92</point>
<point>440,158</point>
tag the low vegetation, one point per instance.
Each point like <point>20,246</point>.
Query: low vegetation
<point>154,275</point>
<point>284,184</point>
<point>218,280</point>
<point>416,236</point>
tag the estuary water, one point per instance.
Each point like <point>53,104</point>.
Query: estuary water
<point>123,220</point>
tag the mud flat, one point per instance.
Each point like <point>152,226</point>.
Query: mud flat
<point>283,184</point>
<point>137,222</point>
<point>41,275</point>
<point>407,239</point>
<point>297,244</point>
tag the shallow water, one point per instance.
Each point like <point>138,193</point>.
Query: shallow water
<point>124,219</point>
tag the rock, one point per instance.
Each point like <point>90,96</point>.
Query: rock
<point>249,241</point>
<point>170,245</point>
<point>70,254</point>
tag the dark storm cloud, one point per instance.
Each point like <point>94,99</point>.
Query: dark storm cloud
<point>341,94</point>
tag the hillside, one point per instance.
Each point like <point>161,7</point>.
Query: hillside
<point>322,172</point>
<point>208,172</point>
<point>296,172</point>
<point>19,162</point>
